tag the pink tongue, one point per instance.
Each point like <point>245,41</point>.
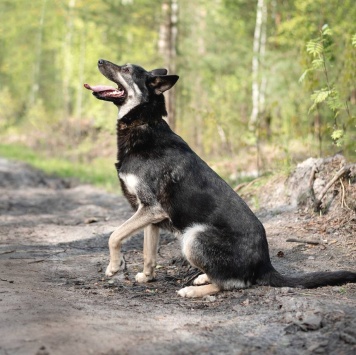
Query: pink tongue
<point>99,88</point>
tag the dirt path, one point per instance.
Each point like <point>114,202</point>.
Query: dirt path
<point>54,298</point>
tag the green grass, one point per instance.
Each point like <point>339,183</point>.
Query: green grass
<point>99,172</point>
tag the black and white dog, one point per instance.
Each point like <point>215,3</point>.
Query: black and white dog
<point>170,187</point>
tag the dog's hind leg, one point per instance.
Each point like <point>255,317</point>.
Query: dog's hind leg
<point>198,291</point>
<point>150,247</point>
<point>142,218</point>
<point>201,280</point>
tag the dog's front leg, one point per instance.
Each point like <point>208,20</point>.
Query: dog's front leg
<point>142,218</point>
<point>150,247</point>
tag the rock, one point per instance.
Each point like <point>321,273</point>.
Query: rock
<point>210,298</point>
<point>313,321</point>
<point>318,348</point>
<point>285,290</point>
<point>246,302</point>
<point>291,328</point>
<point>310,321</point>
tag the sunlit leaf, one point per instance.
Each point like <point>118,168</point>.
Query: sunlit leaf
<point>314,48</point>
<point>320,95</point>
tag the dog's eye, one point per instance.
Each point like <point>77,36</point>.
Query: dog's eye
<point>125,69</point>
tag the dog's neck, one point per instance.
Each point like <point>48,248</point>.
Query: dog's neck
<point>124,126</point>
<point>145,113</point>
<point>133,129</point>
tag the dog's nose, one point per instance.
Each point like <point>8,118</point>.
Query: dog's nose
<point>101,61</point>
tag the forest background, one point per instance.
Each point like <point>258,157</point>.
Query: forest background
<point>263,84</point>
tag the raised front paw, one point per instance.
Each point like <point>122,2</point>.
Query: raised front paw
<point>112,269</point>
<point>141,277</point>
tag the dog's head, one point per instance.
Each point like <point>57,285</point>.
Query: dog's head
<point>135,85</point>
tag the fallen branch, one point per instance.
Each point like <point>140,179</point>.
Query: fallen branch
<point>37,261</point>
<point>343,203</point>
<point>7,252</point>
<point>317,201</point>
<point>240,186</point>
<point>245,184</point>
<point>343,199</point>
<point>47,257</point>
<point>311,183</point>
<point>338,175</point>
<point>293,240</point>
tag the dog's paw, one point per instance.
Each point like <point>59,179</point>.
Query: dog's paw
<point>199,291</point>
<point>142,278</point>
<point>188,292</point>
<point>201,280</point>
<point>111,270</point>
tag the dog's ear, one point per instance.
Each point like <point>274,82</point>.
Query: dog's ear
<point>160,71</point>
<point>162,83</point>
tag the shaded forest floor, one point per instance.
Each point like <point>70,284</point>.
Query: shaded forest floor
<point>54,298</point>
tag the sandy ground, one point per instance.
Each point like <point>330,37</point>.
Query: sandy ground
<point>55,299</point>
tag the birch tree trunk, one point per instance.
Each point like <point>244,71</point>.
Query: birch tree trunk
<point>259,82</point>
<point>37,65</point>
<point>79,100</point>
<point>167,45</point>
<point>255,65</point>
<point>67,52</point>
<point>263,84</point>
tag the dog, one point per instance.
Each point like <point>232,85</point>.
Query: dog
<point>172,188</point>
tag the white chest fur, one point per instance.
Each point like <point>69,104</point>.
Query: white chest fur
<point>131,182</point>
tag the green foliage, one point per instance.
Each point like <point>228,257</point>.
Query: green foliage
<point>49,49</point>
<point>337,135</point>
<point>96,173</point>
<point>37,115</point>
<point>321,49</point>
<point>353,40</point>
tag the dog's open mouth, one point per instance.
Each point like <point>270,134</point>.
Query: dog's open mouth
<point>109,93</point>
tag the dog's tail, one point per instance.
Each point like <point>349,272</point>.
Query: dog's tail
<point>310,280</point>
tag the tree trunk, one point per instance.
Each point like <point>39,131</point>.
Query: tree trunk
<point>259,83</point>
<point>67,62</point>
<point>263,83</point>
<point>82,56</point>
<point>37,65</point>
<point>167,45</point>
<point>255,64</point>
